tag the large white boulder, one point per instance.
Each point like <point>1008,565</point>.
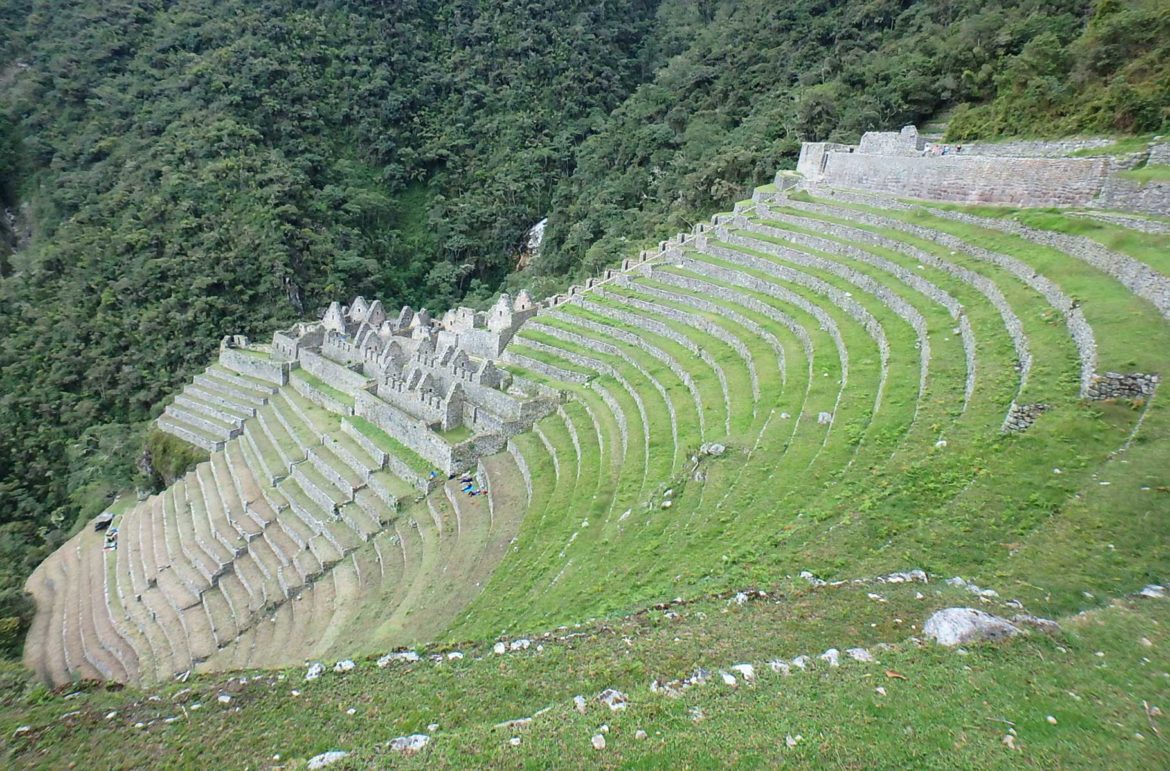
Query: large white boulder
<point>959,626</point>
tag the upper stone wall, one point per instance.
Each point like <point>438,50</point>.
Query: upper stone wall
<point>1019,173</point>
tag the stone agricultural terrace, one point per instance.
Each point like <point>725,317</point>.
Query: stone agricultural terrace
<point>712,393</point>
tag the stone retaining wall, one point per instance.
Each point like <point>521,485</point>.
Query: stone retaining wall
<point>974,179</point>
<point>1114,385</point>
<point>254,365</point>
<point>340,377</point>
<point>525,474</point>
<point>412,433</point>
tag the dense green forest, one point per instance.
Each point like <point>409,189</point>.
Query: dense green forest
<point>180,171</point>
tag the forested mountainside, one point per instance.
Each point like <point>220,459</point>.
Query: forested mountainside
<point>184,170</point>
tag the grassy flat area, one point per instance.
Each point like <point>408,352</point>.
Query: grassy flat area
<point>1104,681</point>
<point>1148,173</point>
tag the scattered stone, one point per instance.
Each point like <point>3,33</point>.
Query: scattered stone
<point>409,745</point>
<point>956,626</point>
<point>316,669</point>
<point>740,598</point>
<point>1153,591</point>
<point>940,443</point>
<point>1051,720</point>
<point>696,714</point>
<point>579,701</point>
<point>111,715</point>
<point>746,671</point>
<point>1145,641</point>
<point>294,692</point>
<point>824,418</point>
<point>666,504</point>
<point>514,741</point>
<point>604,729</point>
<point>880,691</point>
<point>909,576</point>
<point>223,698</point>
<point>714,449</point>
<point>875,597</point>
<point>832,656</point>
<point>728,678</point>
<point>432,727</point>
<point>813,580</point>
<point>326,758</point>
<point>408,657</point>
<point>454,656</point>
<point>1009,741</point>
<point>859,654</point>
<point>1045,625</point>
<point>598,742</point>
<point>956,581</point>
<point>792,741</point>
<point>182,696</point>
<point>345,665</point>
<point>499,648</point>
<point>801,662</point>
<point>779,667</point>
<point>351,711</point>
<point>21,730</point>
<point>613,699</point>
<point>519,645</point>
<point>640,734</point>
<point>511,725</point>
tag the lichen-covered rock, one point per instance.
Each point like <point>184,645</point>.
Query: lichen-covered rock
<point>613,699</point>
<point>408,745</point>
<point>326,759</point>
<point>959,626</point>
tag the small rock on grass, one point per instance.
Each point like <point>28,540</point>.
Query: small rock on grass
<point>746,671</point>
<point>832,656</point>
<point>579,703</point>
<point>640,734</point>
<point>316,669</point>
<point>326,758</point>
<point>1153,592</point>
<point>792,741</point>
<point>598,742</point>
<point>408,745</point>
<point>613,699</point>
<point>859,654</point>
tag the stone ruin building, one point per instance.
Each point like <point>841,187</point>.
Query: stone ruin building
<point>413,376</point>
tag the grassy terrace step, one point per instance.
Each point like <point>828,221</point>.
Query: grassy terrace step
<point>694,392</point>
<point>1039,280</point>
<point>703,377</point>
<point>1000,349</point>
<point>333,399</point>
<point>944,395</point>
<point>241,381</point>
<point>652,413</point>
<point>390,445</point>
